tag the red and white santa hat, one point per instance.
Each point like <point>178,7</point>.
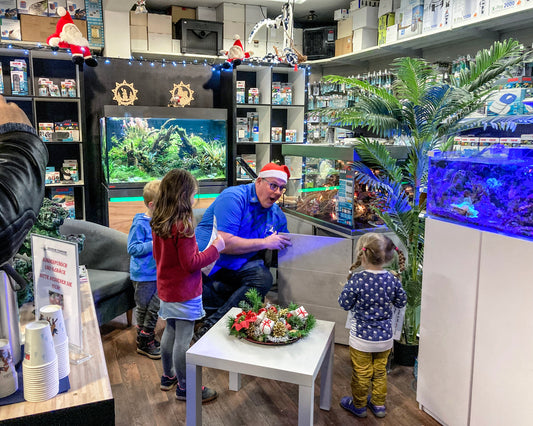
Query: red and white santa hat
<point>275,171</point>
<point>238,42</point>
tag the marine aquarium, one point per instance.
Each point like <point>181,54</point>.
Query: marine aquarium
<point>491,190</point>
<point>143,144</point>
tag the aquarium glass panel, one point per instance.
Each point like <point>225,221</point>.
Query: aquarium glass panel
<point>492,190</point>
<point>327,190</point>
<point>142,149</point>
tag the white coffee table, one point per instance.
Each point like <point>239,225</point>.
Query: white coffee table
<point>297,363</point>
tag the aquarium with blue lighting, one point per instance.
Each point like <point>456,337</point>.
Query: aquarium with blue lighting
<point>491,190</point>
<point>142,144</point>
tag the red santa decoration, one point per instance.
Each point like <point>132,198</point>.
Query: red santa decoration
<point>236,52</point>
<point>68,36</point>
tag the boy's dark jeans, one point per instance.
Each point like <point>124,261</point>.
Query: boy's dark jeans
<point>147,305</point>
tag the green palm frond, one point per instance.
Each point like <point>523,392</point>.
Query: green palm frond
<point>413,77</point>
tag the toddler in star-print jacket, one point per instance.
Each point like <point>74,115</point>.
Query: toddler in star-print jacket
<point>370,295</point>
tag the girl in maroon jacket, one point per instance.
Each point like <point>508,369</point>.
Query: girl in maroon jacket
<point>179,277</point>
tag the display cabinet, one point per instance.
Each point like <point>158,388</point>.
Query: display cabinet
<point>48,87</point>
<point>322,189</point>
<point>267,110</point>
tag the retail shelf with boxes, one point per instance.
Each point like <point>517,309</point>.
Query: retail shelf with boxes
<point>48,87</point>
<point>267,104</point>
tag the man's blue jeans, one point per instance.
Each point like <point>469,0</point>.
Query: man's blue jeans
<point>226,288</point>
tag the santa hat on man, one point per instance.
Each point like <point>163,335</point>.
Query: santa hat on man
<point>275,171</point>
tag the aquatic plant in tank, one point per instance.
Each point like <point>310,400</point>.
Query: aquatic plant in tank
<point>136,149</point>
<point>491,190</point>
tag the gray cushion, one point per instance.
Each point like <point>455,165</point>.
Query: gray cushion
<point>105,284</point>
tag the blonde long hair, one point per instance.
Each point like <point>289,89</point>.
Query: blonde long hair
<point>173,204</point>
<point>378,250</point>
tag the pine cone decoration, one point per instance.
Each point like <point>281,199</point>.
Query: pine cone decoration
<point>279,329</point>
<point>283,312</point>
<point>251,331</point>
<point>272,315</point>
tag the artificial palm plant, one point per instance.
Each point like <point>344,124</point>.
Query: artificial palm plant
<point>424,110</point>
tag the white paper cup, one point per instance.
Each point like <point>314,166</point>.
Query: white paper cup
<point>8,376</point>
<point>54,315</point>
<point>63,359</point>
<point>39,346</point>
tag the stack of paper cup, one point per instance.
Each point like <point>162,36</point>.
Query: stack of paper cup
<point>53,314</point>
<point>8,376</point>
<point>39,368</point>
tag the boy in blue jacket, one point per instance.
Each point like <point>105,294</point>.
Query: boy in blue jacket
<point>143,275</point>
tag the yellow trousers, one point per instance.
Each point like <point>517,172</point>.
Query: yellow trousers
<point>369,372</point>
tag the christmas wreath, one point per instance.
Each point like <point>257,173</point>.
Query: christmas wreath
<point>268,323</point>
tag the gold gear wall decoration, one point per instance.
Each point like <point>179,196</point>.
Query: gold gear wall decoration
<point>181,95</point>
<point>124,93</point>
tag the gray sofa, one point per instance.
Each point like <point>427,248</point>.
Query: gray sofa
<point>108,263</point>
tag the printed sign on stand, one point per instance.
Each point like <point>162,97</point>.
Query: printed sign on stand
<point>56,281</point>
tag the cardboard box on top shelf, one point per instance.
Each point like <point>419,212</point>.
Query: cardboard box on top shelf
<point>411,15</point>
<point>468,10</point>
<point>343,46</point>
<point>345,27</point>
<point>232,28</point>
<point>230,12</point>
<point>38,28</point>
<point>365,17</point>
<point>138,38</point>
<point>498,6</point>
<point>178,12</point>
<point>437,16</point>
<point>9,7</point>
<point>364,38</point>
<point>340,14</point>
<point>33,7</point>
<point>53,5</point>
<point>77,9</point>
<point>158,42</point>
<point>205,14</point>
<point>10,29</point>
<point>161,24</point>
<point>138,19</point>
<point>254,14</point>
<point>392,33</point>
<point>388,6</point>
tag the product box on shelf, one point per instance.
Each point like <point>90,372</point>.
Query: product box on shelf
<point>411,15</point>
<point>77,9</point>
<point>19,77</point>
<point>8,8</point>
<point>276,134</point>
<point>53,5</point>
<point>343,46</point>
<point>510,142</point>
<point>46,132</point>
<point>482,143</point>
<point>357,4</point>
<point>498,6</point>
<point>51,176</point>
<point>1,80</point>
<point>250,160</point>
<point>365,17</point>
<point>240,91</point>
<point>64,196</point>
<point>69,171</point>
<point>66,131</point>
<point>345,27</point>
<point>506,102</point>
<point>253,125</point>
<point>68,88</point>
<point>243,134</point>
<point>469,10</point>
<point>139,37</point>
<point>206,13</point>
<point>364,38</point>
<point>384,21</point>
<point>290,135</point>
<point>392,33</point>
<point>253,95</point>
<point>345,197</point>
<point>95,23</point>
<point>38,28</point>
<point>437,16</point>
<point>340,14</point>
<point>161,24</point>
<point>10,29</point>
<point>231,12</point>
<point>179,12</point>
<point>138,19</point>
<point>160,42</point>
<point>33,7</point>
<point>388,6</point>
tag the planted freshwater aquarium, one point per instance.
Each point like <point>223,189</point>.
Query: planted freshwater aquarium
<point>142,144</point>
<point>490,190</point>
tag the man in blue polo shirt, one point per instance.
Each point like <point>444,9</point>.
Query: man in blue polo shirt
<point>250,221</point>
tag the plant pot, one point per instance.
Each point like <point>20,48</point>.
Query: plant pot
<point>405,354</point>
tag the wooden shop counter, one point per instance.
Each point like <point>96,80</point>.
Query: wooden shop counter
<point>89,399</point>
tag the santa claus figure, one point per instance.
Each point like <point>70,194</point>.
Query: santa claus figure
<point>236,52</point>
<point>68,36</point>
